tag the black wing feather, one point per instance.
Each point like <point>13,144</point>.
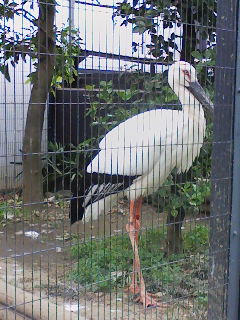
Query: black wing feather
<point>94,187</point>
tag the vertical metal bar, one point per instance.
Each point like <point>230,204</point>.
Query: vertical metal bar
<point>222,160</point>
<point>234,258</point>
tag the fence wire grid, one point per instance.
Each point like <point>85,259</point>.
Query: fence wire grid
<point>119,178</point>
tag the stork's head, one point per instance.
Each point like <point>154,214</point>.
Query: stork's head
<point>181,73</point>
<point>182,78</point>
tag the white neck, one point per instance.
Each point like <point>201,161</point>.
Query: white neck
<point>189,103</point>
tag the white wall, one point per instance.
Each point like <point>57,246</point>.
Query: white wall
<point>14,98</point>
<point>103,33</point>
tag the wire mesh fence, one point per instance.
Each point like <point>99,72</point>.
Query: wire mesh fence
<point>118,185</point>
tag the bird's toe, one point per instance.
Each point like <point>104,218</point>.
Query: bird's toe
<point>149,302</point>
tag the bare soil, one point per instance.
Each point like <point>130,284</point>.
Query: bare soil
<point>40,263</point>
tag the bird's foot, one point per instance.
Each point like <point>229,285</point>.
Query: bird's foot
<point>148,301</point>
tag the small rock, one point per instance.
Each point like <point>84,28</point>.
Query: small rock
<point>32,234</point>
<point>73,307</point>
<point>159,294</point>
<point>64,238</point>
<point>46,231</point>
<point>9,215</point>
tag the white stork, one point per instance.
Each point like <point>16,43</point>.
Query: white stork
<point>137,156</point>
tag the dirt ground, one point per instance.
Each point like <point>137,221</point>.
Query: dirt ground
<point>35,256</point>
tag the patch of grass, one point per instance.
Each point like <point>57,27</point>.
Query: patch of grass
<point>2,210</point>
<point>106,263</point>
<point>9,209</point>
<point>197,239</point>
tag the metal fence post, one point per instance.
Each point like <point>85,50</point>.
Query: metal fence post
<point>234,257</point>
<point>222,159</point>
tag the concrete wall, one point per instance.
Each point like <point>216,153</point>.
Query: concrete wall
<point>14,98</point>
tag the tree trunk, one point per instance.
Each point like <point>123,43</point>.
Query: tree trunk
<point>32,158</point>
<point>174,241</point>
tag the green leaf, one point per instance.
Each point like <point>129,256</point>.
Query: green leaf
<point>59,79</point>
<point>73,177</point>
<point>139,30</point>
<point>5,71</point>
<point>197,55</point>
<point>174,212</point>
<point>89,87</point>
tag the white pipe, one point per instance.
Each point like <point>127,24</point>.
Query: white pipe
<point>71,15</point>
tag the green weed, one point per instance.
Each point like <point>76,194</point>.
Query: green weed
<point>9,209</point>
<point>197,239</point>
<point>107,263</point>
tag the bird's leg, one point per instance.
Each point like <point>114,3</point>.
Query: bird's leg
<point>133,235</point>
<point>133,228</point>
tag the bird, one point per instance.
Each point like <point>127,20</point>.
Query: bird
<point>135,158</point>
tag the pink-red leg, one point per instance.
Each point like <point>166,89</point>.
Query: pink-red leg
<point>133,228</point>
<point>133,234</point>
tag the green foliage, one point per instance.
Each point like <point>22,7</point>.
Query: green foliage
<point>63,161</point>
<point>196,193</point>
<point>190,196</point>
<point>108,106</point>
<point>16,46</point>
<point>142,15</point>
<point>10,209</point>
<point>2,210</point>
<point>7,10</point>
<point>100,261</point>
<point>107,263</point>
<point>10,41</point>
<point>205,62</point>
<point>68,48</point>
<point>156,92</point>
<point>197,239</point>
